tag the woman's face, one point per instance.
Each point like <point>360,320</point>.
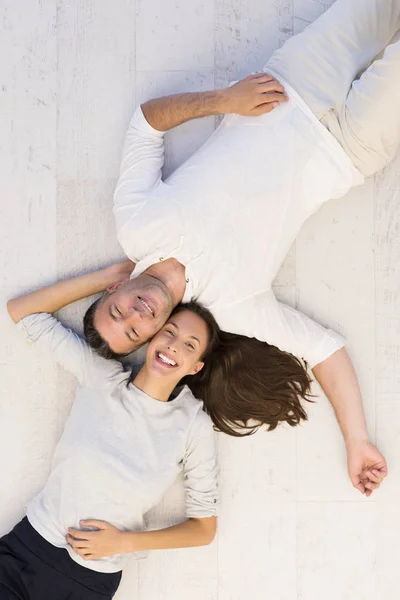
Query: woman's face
<point>176,350</point>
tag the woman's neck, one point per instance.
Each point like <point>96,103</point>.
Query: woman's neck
<point>153,387</point>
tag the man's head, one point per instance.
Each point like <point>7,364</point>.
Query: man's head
<point>127,316</point>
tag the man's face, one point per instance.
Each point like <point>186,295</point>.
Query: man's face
<point>133,313</point>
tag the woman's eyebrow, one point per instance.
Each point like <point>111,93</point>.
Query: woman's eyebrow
<point>191,336</point>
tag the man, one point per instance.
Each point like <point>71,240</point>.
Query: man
<point>218,228</point>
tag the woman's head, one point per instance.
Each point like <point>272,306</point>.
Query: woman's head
<point>180,348</point>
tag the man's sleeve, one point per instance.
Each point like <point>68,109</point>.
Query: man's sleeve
<point>292,331</point>
<point>268,320</point>
<point>200,469</point>
<point>69,350</point>
<point>142,161</point>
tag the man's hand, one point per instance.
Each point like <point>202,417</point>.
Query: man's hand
<point>255,95</point>
<point>367,467</point>
<point>92,545</point>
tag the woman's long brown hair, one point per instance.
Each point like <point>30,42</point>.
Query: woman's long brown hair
<point>246,383</point>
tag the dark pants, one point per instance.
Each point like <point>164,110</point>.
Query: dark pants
<point>33,569</point>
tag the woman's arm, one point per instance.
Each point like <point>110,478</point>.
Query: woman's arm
<point>53,297</point>
<point>367,467</point>
<point>31,313</point>
<point>109,540</point>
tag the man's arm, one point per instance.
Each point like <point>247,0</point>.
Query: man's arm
<point>54,297</point>
<point>255,95</point>
<point>323,350</point>
<point>367,467</point>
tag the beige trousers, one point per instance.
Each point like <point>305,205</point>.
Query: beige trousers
<point>346,67</point>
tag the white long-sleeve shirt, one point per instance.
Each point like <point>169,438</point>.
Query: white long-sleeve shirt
<point>230,213</point>
<point>120,449</point>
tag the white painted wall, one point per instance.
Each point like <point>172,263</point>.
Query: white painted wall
<point>291,526</point>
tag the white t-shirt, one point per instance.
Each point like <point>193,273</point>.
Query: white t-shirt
<point>120,449</point>
<point>230,213</point>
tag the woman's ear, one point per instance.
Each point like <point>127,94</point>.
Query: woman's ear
<point>112,288</point>
<point>197,368</point>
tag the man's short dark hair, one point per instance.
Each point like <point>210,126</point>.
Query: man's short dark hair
<point>93,337</point>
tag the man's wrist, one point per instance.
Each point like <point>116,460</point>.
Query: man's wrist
<point>354,441</point>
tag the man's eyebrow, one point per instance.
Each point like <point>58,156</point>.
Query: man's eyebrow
<point>193,337</point>
<point>126,332</point>
<point>129,337</point>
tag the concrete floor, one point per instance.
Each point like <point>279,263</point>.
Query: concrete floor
<point>291,526</point>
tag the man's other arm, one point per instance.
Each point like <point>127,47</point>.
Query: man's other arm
<point>255,95</point>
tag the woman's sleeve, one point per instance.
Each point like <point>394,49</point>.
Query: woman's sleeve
<point>142,161</point>
<point>68,350</point>
<point>200,469</point>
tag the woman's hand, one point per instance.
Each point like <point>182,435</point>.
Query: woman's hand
<point>367,466</point>
<point>255,95</point>
<point>92,545</point>
<point>120,271</point>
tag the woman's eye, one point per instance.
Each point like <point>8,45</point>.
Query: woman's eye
<point>117,309</point>
<point>169,331</point>
<point>190,346</point>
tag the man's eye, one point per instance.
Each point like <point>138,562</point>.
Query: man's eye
<point>118,311</point>
<point>170,332</point>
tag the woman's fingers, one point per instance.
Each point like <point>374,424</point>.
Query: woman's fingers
<point>78,534</point>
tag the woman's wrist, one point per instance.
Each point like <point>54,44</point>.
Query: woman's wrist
<point>117,272</point>
<point>129,541</point>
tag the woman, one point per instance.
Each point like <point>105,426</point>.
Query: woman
<point>249,384</point>
<point>123,445</point>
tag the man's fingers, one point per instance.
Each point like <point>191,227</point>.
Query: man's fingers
<point>261,77</point>
<point>266,99</point>
<point>370,485</point>
<point>374,476</point>
<point>360,487</point>
<point>276,97</point>
<point>263,109</point>
<point>271,86</point>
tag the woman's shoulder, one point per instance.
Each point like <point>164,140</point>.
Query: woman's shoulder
<point>194,407</point>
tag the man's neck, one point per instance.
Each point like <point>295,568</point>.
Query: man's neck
<point>172,274</point>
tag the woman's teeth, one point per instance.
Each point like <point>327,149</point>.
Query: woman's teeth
<point>166,360</point>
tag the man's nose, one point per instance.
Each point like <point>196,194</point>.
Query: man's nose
<point>140,312</point>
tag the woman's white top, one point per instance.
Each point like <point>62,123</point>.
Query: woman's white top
<point>120,450</point>
<point>230,213</point>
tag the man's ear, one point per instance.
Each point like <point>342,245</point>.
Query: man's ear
<point>112,288</point>
<point>197,368</point>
